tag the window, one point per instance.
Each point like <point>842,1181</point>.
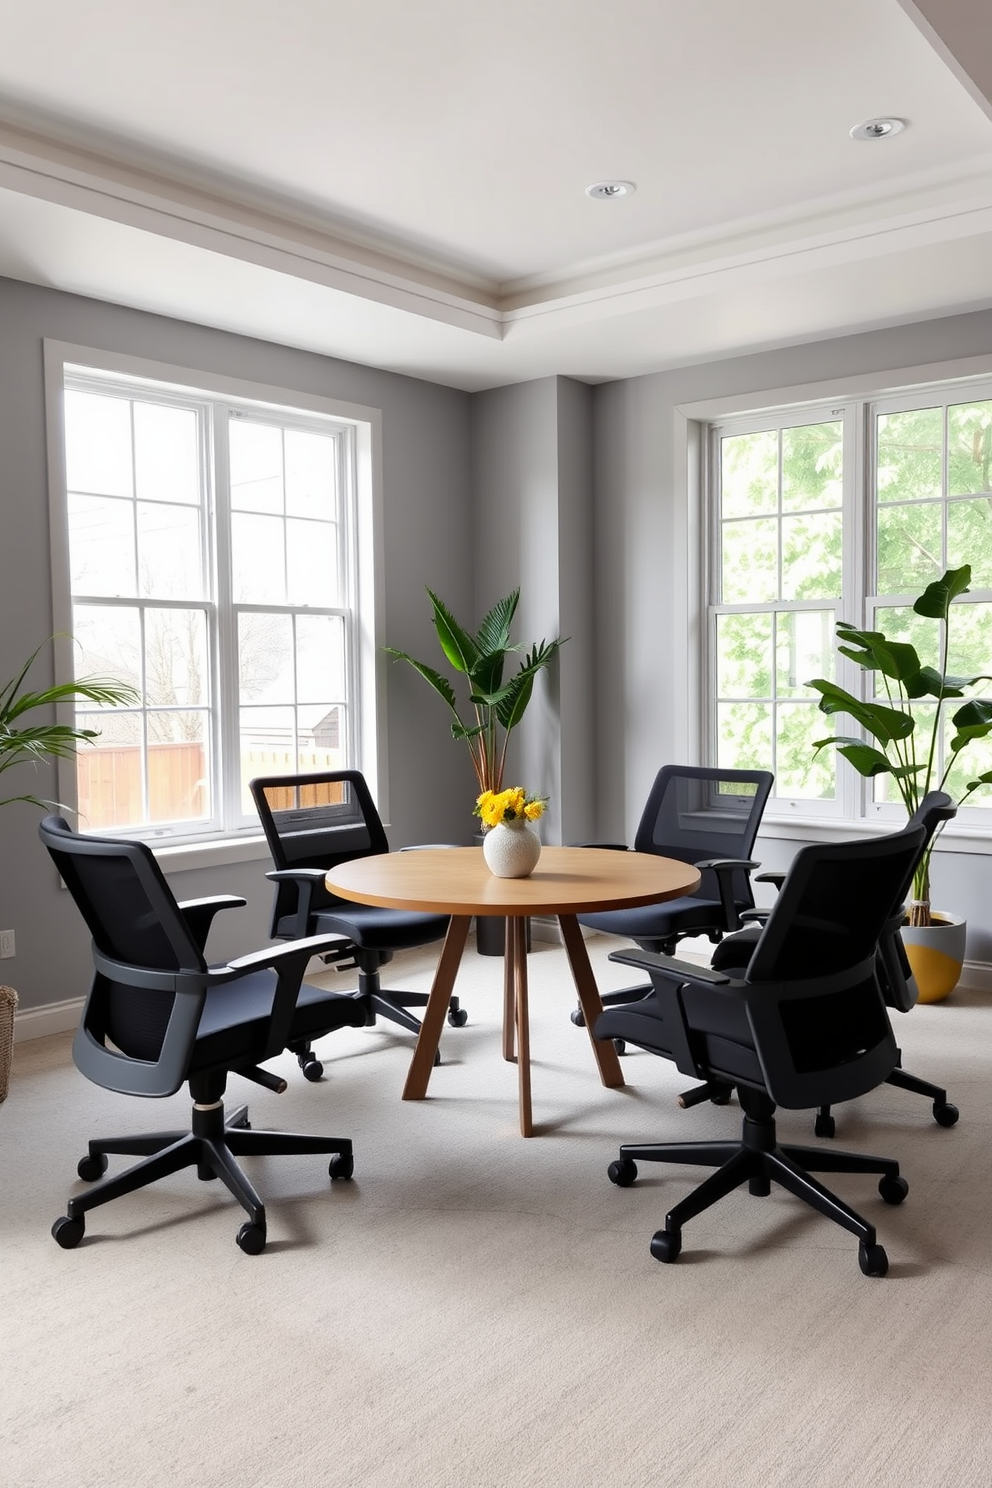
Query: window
<point>840,512</point>
<point>211,560</point>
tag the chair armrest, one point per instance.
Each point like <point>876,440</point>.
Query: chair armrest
<point>671,968</point>
<point>669,977</point>
<point>199,913</point>
<point>289,962</point>
<point>725,868</point>
<point>309,882</point>
<point>773,876</point>
<point>754,916</point>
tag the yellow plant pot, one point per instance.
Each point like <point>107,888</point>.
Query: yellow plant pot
<point>936,954</point>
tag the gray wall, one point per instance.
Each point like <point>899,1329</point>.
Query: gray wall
<point>533,489</point>
<point>427,539</point>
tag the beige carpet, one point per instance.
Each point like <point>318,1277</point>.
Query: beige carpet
<point>480,1311</point>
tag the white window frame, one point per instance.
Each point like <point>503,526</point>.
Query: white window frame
<point>238,838</point>
<point>855,812</point>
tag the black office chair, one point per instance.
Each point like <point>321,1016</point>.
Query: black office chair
<point>158,1017</point>
<point>895,975</point>
<point>312,823</point>
<point>705,816</point>
<point>806,1025</point>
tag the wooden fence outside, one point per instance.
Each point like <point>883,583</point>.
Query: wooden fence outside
<point>110,790</point>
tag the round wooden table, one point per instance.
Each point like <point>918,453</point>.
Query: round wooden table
<point>567,881</point>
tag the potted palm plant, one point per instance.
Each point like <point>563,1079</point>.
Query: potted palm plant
<point>496,703</point>
<point>25,740</point>
<point>905,722</point>
<point>497,706</point>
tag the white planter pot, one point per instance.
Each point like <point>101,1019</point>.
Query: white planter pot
<point>936,954</point>
<point>511,850</point>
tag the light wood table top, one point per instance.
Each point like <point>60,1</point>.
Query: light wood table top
<point>568,881</point>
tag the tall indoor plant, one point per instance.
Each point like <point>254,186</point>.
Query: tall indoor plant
<point>907,726</point>
<point>24,740</point>
<point>497,706</point>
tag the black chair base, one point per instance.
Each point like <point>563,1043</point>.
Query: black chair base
<point>212,1145</point>
<point>758,1159</point>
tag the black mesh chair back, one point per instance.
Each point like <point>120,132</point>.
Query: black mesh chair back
<point>133,918</point>
<point>708,817</point>
<point>695,814</point>
<point>315,821</point>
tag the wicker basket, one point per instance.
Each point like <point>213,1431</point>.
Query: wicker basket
<point>8,1002</point>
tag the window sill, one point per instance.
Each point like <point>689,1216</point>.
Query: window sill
<point>954,838</point>
<point>219,852</point>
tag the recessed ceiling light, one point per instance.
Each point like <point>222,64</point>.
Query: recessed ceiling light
<point>873,129</point>
<point>608,190</point>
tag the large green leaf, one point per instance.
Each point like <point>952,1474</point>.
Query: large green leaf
<point>883,723</point>
<point>494,632</point>
<point>977,711</point>
<point>517,694</point>
<point>437,680</point>
<point>936,600</point>
<point>458,646</point>
<point>870,649</point>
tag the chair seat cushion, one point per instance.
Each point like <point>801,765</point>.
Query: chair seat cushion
<point>234,1024</point>
<point>647,922</point>
<point>372,928</point>
<point>720,1033</point>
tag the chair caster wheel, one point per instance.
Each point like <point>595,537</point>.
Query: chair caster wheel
<point>872,1260</point>
<point>944,1113</point>
<point>251,1238</point>
<point>893,1189</point>
<point>721,1098</point>
<point>313,1070</point>
<point>824,1126</point>
<point>437,1057</point>
<point>92,1167</point>
<point>666,1245</point>
<point>578,1017</point>
<point>68,1232</point>
<point>623,1172</point>
<point>620,1046</point>
<point>342,1166</point>
<point>457,1016</point>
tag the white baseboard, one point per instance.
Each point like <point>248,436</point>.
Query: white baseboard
<point>54,1017</point>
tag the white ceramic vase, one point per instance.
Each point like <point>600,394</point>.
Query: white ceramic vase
<point>512,849</point>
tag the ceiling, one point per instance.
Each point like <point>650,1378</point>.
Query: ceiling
<point>404,185</point>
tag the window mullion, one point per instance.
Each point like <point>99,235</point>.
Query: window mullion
<point>227,749</point>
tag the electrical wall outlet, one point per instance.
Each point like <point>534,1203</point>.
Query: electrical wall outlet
<point>6,945</point>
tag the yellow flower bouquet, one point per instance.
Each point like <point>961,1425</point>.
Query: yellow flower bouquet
<point>501,808</point>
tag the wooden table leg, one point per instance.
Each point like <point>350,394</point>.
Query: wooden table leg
<point>509,994</point>
<point>589,1001</point>
<point>437,1006</point>
<point>517,941</point>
